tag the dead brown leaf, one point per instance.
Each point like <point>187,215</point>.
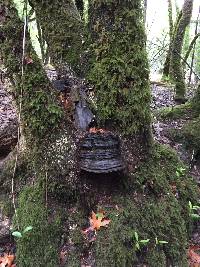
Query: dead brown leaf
<point>194,257</point>
<point>7,260</point>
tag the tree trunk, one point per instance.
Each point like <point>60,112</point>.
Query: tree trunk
<point>120,72</point>
<point>191,46</point>
<point>171,24</point>
<point>172,31</point>
<point>176,64</point>
<point>41,41</point>
<point>62,30</point>
<point>145,10</point>
<point>194,44</point>
<point>49,143</point>
<point>8,122</point>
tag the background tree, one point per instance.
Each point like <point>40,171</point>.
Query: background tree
<point>177,74</point>
<point>172,28</point>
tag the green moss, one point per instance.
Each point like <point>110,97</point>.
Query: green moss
<point>115,246</point>
<point>196,101</point>
<point>40,246</point>
<point>155,206</point>
<point>40,109</point>
<point>62,30</point>
<point>177,112</point>
<point>120,70</point>
<point>190,135</point>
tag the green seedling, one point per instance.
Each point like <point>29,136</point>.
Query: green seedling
<point>192,210</point>
<point>20,234</point>
<point>180,172</point>
<point>160,242</point>
<point>138,242</point>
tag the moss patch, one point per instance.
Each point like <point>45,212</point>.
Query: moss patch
<point>155,206</point>
<point>191,135</point>
<point>40,246</point>
<point>40,109</point>
<point>177,112</point>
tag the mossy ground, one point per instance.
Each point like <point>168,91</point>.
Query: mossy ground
<point>155,206</point>
<point>190,132</point>
<point>177,112</point>
<point>38,247</point>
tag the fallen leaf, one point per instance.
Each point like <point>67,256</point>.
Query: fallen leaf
<point>193,256</point>
<point>96,221</point>
<point>7,260</point>
<point>28,60</point>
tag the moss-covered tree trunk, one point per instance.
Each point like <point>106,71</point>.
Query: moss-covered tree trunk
<point>148,206</point>
<point>62,30</point>
<point>49,144</point>
<point>171,30</point>
<point>120,70</point>
<point>176,71</point>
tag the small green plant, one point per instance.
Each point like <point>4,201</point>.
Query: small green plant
<point>138,242</point>
<point>160,242</point>
<point>180,172</point>
<point>192,210</point>
<point>20,234</point>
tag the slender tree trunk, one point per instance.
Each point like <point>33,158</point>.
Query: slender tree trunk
<point>172,30</point>
<point>62,30</point>
<point>193,44</point>
<point>171,24</point>
<point>176,64</point>
<point>145,10</point>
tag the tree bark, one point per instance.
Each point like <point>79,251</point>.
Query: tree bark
<point>50,145</point>
<point>171,24</point>
<point>176,66</point>
<point>8,122</point>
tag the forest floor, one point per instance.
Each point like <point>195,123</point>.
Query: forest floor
<point>163,97</point>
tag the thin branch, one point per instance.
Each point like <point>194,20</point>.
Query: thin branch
<point>191,46</point>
